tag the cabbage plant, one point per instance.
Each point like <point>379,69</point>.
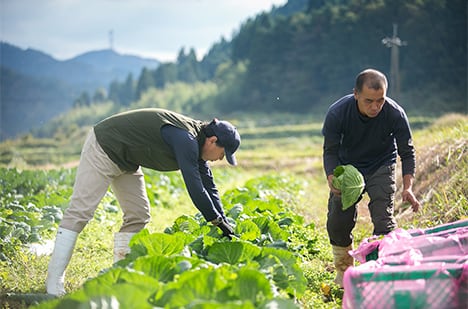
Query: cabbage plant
<point>191,265</point>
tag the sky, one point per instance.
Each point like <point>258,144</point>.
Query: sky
<point>155,29</point>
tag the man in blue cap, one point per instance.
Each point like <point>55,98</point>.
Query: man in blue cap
<point>113,154</point>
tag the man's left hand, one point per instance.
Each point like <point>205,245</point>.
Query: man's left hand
<point>408,196</point>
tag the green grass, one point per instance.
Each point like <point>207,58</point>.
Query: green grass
<point>284,149</point>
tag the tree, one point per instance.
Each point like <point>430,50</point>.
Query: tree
<point>145,82</point>
<point>187,67</point>
<point>114,92</point>
<point>218,54</point>
<point>83,100</point>
<point>99,95</point>
<point>166,73</point>
<point>127,94</point>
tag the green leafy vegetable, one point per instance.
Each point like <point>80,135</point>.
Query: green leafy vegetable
<point>350,182</point>
<point>232,252</point>
<point>191,266</point>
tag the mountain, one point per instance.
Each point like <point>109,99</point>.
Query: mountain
<point>87,71</point>
<point>119,65</point>
<point>34,81</point>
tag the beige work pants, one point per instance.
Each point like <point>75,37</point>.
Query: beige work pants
<point>95,173</point>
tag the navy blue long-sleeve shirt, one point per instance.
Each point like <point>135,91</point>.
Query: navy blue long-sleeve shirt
<point>164,141</point>
<point>366,143</point>
<point>195,171</point>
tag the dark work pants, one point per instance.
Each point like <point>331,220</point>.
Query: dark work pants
<point>381,188</point>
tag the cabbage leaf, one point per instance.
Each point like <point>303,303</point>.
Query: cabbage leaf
<point>350,182</point>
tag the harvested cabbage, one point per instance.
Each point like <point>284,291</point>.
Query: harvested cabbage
<point>350,182</point>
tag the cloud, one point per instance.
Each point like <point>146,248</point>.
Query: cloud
<point>154,28</point>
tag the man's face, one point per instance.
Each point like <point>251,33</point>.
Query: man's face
<point>211,151</point>
<point>370,101</point>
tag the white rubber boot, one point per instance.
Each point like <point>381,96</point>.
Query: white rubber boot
<point>342,261</point>
<point>121,248</point>
<point>63,249</point>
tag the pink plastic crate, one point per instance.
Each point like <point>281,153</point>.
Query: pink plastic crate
<point>432,285</point>
<point>411,269</point>
<point>400,241</point>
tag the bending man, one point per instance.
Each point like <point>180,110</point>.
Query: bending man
<point>113,154</point>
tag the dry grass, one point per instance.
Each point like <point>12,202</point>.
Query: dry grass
<point>441,182</point>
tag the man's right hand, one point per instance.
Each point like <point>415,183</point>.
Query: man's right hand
<point>330,185</point>
<point>226,229</point>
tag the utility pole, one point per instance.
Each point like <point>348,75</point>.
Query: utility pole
<point>394,43</point>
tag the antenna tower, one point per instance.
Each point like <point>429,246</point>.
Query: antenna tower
<point>111,39</point>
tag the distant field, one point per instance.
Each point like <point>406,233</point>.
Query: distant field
<point>267,142</point>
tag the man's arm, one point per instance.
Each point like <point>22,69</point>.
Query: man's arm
<point>407,194</point>
<point>331,146</point>
<point>209,185</point>
<point>185,148</point>
<point>407,155</point>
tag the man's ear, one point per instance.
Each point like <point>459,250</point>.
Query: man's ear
<point>212,139</point>
<point>355,92</point>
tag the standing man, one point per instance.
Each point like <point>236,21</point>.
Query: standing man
<point>113,154</point>
<point>368,130</point>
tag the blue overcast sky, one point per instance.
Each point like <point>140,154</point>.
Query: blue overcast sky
<point>149,28</point>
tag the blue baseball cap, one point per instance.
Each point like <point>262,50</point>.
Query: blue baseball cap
<point>228,137</point>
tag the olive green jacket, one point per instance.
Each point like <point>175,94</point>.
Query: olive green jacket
<point>132,139</point>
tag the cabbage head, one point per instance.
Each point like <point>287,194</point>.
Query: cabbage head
<point>350,182</point>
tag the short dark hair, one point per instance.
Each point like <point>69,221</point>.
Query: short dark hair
<point>207,131</point>
<point>371,78</point>
<point>208,128</point>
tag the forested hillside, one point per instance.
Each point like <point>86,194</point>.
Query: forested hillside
<point>300,61</point>
<point>313,56</point>
<point>27,101</point>
<point>35,87</point>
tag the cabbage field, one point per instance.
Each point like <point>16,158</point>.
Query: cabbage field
<point>275,199</point>
<point>189,263</point>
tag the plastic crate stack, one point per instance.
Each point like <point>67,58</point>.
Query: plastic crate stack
<point>420,268</point>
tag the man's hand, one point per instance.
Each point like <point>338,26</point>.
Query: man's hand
<point>224,227</point>
<point>330,185</point>
<point>408,196</point>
